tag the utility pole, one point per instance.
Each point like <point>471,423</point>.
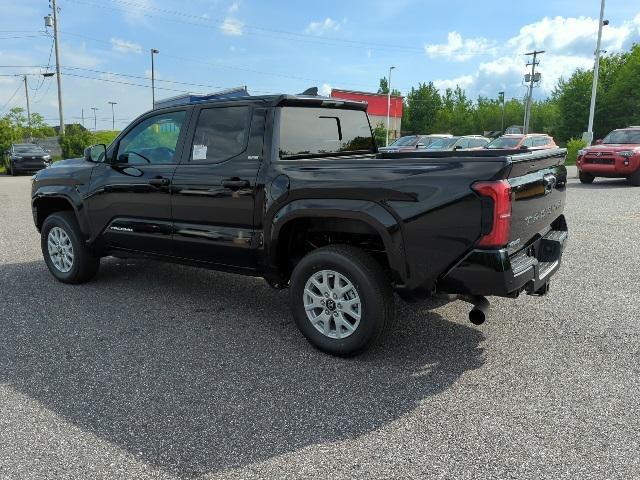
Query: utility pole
<point>153,77</point>
<point>596,71</point>
<point>388,103</point>
<point>113,115</point>
<point>56,42</point>
<point>531,78</point>
<point>95,120</point>
<point>502,98</point>
<point>82,116</point>
<point>26,92</point>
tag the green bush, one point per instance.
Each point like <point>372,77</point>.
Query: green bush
<point>573,145</point>
<point>76,139</point>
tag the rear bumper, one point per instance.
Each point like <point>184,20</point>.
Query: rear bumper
<point>495,272</point>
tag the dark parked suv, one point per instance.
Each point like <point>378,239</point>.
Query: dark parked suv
<point>25,157</point>
<point>291,189</point>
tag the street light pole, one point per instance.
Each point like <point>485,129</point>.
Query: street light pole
<point>26,92</point>
<point>153,78</point>
<point>388,103</point>
<point>57,48</point>
<point>95,120</point>
<point>113,115</point>
<point>502,97</point>
<point>596,71</point>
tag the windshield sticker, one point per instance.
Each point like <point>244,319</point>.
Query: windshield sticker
<point>199,152</point>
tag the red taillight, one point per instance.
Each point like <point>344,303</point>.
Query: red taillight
<point>500,193</point>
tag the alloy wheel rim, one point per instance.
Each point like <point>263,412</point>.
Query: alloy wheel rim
<point>60,249</point>
<point>332,304</point>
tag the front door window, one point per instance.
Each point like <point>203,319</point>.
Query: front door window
<point>152,141</point>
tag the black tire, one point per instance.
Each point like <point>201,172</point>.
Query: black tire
<point>371,284</point>
<point>85,265</point>
<point>635,179</point>
<point>12,171</point>
<point>586,177</point>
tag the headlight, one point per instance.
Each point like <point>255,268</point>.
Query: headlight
<point>627,153</point>
<point>581,152</point>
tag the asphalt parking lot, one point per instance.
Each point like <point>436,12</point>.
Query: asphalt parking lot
<point>163,371</point>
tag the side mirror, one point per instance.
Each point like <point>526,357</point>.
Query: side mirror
<point>598,141</point>
<point>95,153</point>
<point>420,145</point>
<point>457,147</point>
<point>524,147</point>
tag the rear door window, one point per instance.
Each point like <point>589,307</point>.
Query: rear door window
<point>221,133</point>
<point>317,132</point>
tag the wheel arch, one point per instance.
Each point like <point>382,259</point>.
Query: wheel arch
<point>340,216</point>
<point>45,203</point>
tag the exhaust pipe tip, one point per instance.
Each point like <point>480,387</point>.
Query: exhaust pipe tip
<point>477,316</point>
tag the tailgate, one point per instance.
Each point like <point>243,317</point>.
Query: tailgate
<point>538,186</point>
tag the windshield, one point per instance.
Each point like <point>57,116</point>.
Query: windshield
<point>28,149</point>
<point>312,131</point>
<point>443,144</point>
<point>623,136</point>
<point>408,141</point>
<point>504,142</point>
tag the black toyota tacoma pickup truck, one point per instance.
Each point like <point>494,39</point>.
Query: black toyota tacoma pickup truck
<point>291,188</point>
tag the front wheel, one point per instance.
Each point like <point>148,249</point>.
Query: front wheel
<point>64,250</point>
<point>341,300</point>
<point>635,178</point>
<point>12,171</point>
<point>585,177</point>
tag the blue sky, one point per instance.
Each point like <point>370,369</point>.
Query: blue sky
<point>282,46</point>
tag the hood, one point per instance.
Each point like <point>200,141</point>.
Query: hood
<point>612,147</point>
<point>70,162</point>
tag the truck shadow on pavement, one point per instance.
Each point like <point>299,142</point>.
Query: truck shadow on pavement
<point>196,371</point>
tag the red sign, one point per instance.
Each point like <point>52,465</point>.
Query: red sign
<point>377,102</point>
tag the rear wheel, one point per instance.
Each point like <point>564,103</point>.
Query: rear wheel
<point>341,300</point>
<point>635,179</point>
<point>586,177</point>
<point>64,250</point>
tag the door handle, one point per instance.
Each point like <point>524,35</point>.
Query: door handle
<point>159,182</point>
<point>235,183</point>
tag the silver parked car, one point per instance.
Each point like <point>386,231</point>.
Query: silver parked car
<point>413,142</point>
<point>465,142</point>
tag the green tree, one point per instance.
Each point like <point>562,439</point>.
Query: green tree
<point>420,109</point>
<point>384,88</point>
<point>619,105</point>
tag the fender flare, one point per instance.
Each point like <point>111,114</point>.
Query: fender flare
<point>371,213</point>
<point>69,195</point>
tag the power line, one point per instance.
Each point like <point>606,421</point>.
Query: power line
<point>10,99</point>
<point>333,41</point>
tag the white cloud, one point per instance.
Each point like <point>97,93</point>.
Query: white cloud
<point>568,42</point>
<point>324,26</point>
<point>234,7</point>
<point>464,82</point>
<point>232,27</point>
<point>325,90</point>
<point>136,13</point>
<point>125,46</point>
<point>460,49</point>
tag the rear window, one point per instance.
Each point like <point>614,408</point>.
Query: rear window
<point>504,142</point>
<point>405,141</point>
<point>310,131</point>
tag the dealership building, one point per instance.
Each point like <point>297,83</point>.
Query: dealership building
<point>377,108</point>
